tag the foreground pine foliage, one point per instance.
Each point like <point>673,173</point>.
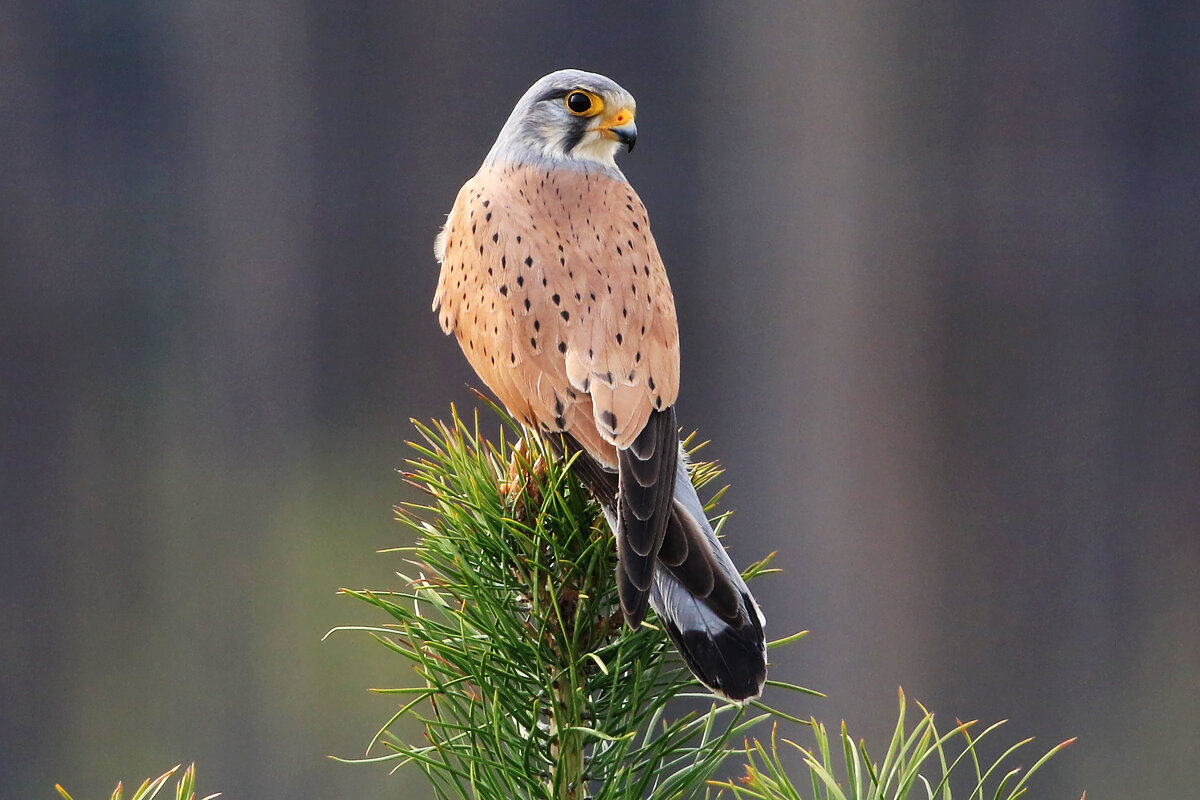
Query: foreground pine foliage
<point>531,684</point>
<point>185,788</point>
<point>922,763</point>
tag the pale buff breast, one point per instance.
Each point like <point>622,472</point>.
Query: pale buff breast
<point>553,285</point>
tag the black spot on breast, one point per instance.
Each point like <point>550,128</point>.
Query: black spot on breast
<point>650,383</point>
<point>529,261</point>
<point>566,315</point>
<point>609,419</point>
<point>556,299</point>
<point>562,347</point>
<point>620,338</point>
<point>504,290</point>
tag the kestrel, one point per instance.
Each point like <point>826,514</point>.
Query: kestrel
<point>553,285</point>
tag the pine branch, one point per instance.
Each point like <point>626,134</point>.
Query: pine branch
<point>185,789</point>
<point>531,684</point>
<point>921,763</point>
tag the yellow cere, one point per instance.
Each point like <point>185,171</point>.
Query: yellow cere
<point>622,117</point>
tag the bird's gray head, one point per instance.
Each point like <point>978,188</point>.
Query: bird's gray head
<point>568,118</point>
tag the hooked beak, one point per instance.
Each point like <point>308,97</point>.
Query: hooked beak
<point>620,126</point>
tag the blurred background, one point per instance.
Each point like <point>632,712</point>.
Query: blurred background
<point>937,268</point>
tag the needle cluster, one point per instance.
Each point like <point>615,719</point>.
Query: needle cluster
<point>529,684</point>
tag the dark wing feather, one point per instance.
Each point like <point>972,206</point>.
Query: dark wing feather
<point>646,475</point>
<point>684,550</point>
<point>698,571</point>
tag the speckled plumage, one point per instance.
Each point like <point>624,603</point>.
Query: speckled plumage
<point>553,285</point>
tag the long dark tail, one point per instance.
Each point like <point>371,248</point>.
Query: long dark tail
<point>726,651</point>
<point>686,575</point>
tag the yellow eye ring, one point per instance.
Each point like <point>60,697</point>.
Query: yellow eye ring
<point>583,103</point>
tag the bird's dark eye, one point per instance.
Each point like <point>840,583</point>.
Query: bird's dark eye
<point>579,103</point>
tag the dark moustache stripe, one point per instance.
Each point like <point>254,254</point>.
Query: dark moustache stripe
<point>575,134</point>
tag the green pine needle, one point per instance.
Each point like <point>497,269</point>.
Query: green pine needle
<point>917,764</point>
<point>185,789</point>
<point>531,685</point>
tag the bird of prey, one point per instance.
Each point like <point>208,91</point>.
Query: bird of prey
<point>553,285</point>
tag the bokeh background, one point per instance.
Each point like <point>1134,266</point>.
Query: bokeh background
<point>938,274</point>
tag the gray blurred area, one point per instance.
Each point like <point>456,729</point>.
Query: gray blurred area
<point>937,268</point>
